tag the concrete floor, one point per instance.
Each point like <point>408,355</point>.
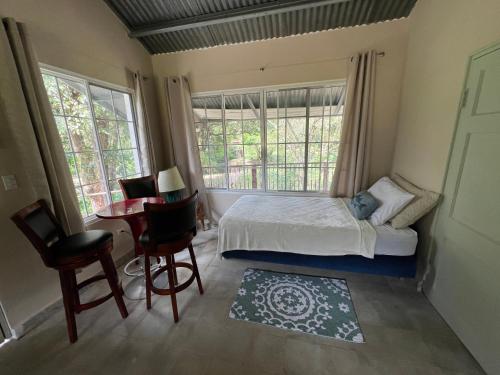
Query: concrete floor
<point>404,334</point>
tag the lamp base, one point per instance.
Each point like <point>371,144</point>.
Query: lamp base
<point>172,196</point>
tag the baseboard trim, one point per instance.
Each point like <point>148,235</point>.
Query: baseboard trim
<point>53,308</point>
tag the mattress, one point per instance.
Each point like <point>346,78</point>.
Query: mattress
<point>397,242</point>
<point>303,225</point>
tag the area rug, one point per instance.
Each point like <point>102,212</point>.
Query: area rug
<point>310,304</point>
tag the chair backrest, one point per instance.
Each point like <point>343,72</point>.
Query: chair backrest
<point>41,227</point>
<point>171,219</point>
<point>142,187</point>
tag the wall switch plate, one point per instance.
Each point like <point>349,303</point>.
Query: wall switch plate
<point>9,182</point>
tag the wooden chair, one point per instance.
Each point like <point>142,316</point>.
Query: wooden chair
<point>141,187</point>
<point>68,253</point>
<point>179,219</point>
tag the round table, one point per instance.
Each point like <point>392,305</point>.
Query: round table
<point>132,211</point>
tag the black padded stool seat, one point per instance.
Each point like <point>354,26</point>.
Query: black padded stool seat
<point>68,253</point>
<point>85,243</point>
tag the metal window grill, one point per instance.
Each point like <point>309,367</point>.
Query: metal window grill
<point>270,139</point>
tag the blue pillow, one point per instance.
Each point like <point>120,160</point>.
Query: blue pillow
<point>362,205</point>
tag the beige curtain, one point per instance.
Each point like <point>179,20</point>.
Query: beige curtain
<point>147,152</point>
<point>353,162</point>
<point>32,127</point>
<point>182,132</point>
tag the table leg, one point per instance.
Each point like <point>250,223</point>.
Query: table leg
<point>136,288</point>
<point>137,225</point>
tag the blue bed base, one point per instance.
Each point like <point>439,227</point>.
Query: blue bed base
<point>386,265</point>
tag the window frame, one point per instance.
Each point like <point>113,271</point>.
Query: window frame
<point>262,90</point>
<point>87,82</point>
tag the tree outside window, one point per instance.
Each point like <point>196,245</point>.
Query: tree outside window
<point>270,140</point>
<point>98,132</point>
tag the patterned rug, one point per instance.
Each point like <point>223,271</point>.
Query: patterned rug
<point>310,304</point>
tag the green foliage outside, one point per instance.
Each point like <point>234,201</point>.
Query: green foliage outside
<point>114,124</point>
<point>286,152</point>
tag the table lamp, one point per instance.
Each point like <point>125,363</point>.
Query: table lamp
<point>170,184</point>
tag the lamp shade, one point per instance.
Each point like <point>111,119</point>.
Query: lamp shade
<point>170,180</point>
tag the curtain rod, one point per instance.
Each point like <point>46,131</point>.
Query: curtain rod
<point>381,54</point>
<point>144,78</point>
<point>263,68</point>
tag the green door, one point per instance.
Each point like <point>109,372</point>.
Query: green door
<point>465,286</point>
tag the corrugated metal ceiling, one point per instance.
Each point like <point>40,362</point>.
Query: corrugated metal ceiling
<point>138,14</point>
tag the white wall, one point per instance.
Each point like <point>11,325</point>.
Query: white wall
<point>443,35</point>
<point>299,59</point>
<point>84,37</point>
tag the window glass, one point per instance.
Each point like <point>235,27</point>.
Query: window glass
<point>272,140</point>
<point>98,133</point>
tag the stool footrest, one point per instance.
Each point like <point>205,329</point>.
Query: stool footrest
<point>178,288</point>
<point>85,306</point>
<point>90,280</point>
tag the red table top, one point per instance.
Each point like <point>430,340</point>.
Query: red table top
<point>127,208</point>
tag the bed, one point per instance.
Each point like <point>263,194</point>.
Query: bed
<point>319,228</point>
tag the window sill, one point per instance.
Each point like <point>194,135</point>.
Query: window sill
<point>91,220</point>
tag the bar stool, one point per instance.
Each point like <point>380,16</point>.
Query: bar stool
<point>141,187</point>
<point>68,253</point>
<point>132,188</point>
<point>171,228</point>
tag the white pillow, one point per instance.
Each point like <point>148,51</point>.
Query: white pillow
<point>423,203</point>
<point>392,200</point>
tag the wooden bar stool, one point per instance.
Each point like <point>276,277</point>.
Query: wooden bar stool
<point>141,187</point>
<point>133,188</point>
<point>171,228</point>
<point>68,253</point>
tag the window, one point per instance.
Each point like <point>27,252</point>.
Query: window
<point>230,140</point>
<point>270,139</point>
<point>97,129</point>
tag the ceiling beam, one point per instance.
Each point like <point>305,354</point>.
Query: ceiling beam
<point>231,15</point>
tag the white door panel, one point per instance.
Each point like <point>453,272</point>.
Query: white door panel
<point>487,100</point>
<point>478,179</point>
<point>466,285</point>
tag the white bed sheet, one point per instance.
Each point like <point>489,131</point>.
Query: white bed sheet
<point>397,242</point>
<point>305,225</point>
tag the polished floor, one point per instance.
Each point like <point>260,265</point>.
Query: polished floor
<point>404,334</point>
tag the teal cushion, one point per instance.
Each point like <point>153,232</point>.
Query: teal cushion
<point>362,205</point>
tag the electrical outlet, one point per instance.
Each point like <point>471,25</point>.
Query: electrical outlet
<point>9,182</point>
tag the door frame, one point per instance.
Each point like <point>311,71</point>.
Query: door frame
<point>5,330</point>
